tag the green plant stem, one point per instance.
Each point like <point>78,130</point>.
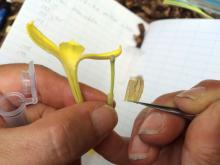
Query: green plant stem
<point>111,93</point>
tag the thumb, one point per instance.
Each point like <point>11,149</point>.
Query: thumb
<point>59,138</point>
<point>202,138</point>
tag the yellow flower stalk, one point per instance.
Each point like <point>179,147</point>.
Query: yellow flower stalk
<point>70,54</point>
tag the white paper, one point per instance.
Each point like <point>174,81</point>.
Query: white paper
<point>176,53</point>
<point>100,25</point>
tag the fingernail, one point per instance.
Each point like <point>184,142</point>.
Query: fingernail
<point>104,119</point>
<point>138,150</point>
<point>153,124</point>
<point>193,93</point>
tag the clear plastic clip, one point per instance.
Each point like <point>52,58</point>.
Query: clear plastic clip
<point>13,104</point>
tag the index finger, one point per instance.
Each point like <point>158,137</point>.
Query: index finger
<point>153,129</point>
<point>198,98</point>
<point>53,89</point>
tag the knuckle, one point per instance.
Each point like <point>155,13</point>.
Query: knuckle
<point>40,67</point>
<point>207,155</point>
<point>208,82</point>
<point>161,99</point>
<point>166,98</point>
<point>60,146</point>
<point>43,69</point>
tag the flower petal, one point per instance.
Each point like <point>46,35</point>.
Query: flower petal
<point>70,53</point>
<point>74,46</point>
<point>41,40</point>
<point>103,56</point>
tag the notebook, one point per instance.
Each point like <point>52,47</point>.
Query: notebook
<point>176,54</point>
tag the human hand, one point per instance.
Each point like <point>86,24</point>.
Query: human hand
<point>160,138</point>
<point>59,131</point>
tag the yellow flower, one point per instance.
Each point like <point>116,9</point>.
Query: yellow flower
<point>70,54</point>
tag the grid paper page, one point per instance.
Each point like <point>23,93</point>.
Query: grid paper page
<point>100,25</point>
<point>178,54</point>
